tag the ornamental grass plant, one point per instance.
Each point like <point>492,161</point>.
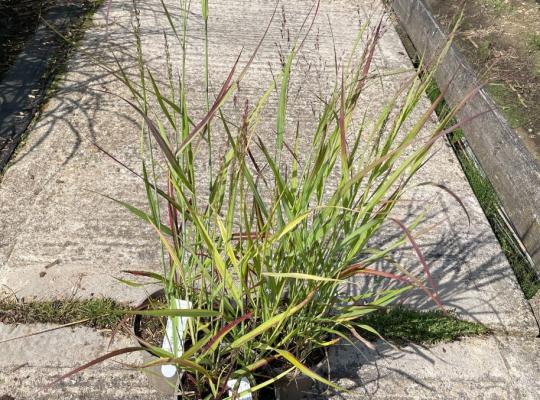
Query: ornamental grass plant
<point>262,243</point>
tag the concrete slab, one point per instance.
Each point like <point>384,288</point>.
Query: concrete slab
<point>25,82</point>
<point>114,384</point>
<point>28,365</point>
<point>496,367</point>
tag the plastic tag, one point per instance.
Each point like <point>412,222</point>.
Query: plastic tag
<point>243,386</point>
<point>168,371</point>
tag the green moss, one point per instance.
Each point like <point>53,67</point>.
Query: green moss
<point>98,313</point>
<point>399,324</point>
<point>402,325</point>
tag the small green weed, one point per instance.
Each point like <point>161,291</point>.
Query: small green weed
<point>484,50</point>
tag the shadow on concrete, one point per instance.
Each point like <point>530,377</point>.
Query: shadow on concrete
<point>24,85</point>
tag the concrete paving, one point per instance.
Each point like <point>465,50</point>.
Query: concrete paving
<point>28,365</point>
<point>50,212</point>
<point>497,367</point>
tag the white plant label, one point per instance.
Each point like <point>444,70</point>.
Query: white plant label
<point>242,387</point>
<point>168,371</point>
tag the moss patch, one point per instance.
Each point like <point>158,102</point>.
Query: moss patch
<point>399,325</point>
<point>98,313</point>
<point>402,325</point>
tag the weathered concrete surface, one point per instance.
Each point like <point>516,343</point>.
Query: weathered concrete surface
<point>496,367</point>
<point>475,368</point>
<point>535,305</point>
<point>29,365</point>
<point>49,210</point>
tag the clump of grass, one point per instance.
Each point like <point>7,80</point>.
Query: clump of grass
<point>403,325</point>
<point>96,313</point>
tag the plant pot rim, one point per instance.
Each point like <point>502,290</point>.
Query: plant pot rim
<point>136,324</point>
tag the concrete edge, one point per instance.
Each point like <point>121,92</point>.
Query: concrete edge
<point>509,166</point>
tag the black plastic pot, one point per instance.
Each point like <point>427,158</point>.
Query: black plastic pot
<point>291,387</point>
<point>167,386</point>
<point>296,386</point>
